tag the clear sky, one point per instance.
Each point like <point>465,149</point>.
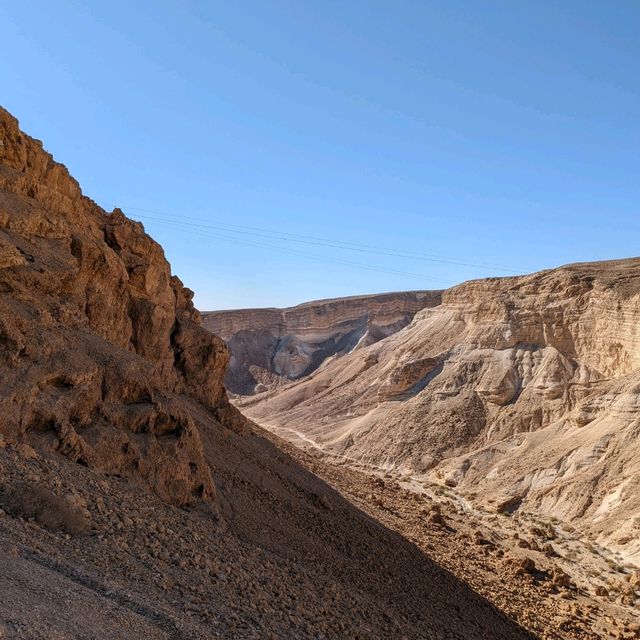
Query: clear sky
<point>485,131</point>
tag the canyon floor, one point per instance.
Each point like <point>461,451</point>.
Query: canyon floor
<point>545,575</point>
<point>313,547</point>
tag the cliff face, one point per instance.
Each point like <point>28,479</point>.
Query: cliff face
<point>524,389</point>
<point>97,338</point>
<point>270,347</point>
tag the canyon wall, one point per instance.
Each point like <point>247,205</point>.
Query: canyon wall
<point>521,390</point>
<point>98,341</point>
<point>270,347</point>
<point>131,489</point>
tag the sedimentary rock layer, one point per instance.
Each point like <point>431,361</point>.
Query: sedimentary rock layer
<point>521,390</point>
<point>269,347</point>
<point>97,338</point>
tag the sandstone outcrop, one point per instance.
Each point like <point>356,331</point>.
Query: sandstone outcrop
<point>97,339</point>
<point>405,378</point>
<point>524,390</point>
<point>270,347</point>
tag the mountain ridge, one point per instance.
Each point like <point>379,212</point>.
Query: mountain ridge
<point>271,346</point>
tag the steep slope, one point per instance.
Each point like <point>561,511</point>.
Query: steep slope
<point>135,501</point>
<point>522,392</point>
<point>270,347</point>
<point>97,337</point>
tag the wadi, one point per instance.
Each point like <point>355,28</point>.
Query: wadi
<point>431,464</point>
<point>512,401</point>
<point>319,321</point>
<point>523,391</point>
<point>136,501</point>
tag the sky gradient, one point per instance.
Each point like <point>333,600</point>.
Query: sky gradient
<point>256,139</point>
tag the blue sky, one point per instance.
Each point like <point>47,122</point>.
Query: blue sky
<point>493,132</point>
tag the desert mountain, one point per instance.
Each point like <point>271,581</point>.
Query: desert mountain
<point>270,347</point>
<point>522,394</point>
<point>135,501</point>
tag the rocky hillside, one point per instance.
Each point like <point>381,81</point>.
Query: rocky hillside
<point>134,500</point>
<point>270,347</point>
<point>97,338</point>
<point>522,394</point>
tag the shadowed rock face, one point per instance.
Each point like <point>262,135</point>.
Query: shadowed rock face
<point>523,389</point>
<point>97,338</point>
<point>270,347</point>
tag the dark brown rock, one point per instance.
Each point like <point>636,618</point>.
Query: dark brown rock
<point>97,339</point>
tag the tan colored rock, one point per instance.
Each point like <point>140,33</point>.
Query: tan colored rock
<point>527,564</point>
<point>97,339</point>
<point>534,405</point>
<point>270,347</point>
<point>406,377</point>
<point>561,579</point>
<point>508,505</point>
<point>26,451</point>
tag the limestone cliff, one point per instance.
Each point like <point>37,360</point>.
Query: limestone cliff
<point>524,389</point>
<point>270,347</point>
<point>97,339</point>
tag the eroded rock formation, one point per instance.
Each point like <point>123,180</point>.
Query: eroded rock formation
<point>109,387</point>
<point>97,339</point>
<point>270,347</point>
<point>519,389</point>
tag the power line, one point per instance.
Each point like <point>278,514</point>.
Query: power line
<point>325,242</point>
<point>185,227</point>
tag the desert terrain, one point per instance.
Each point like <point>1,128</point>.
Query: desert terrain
<point>270,347</point>
<point>515,400</point>
<point>135,500</point>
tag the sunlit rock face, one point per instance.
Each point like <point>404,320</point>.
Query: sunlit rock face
<point>270,347</point>
<point>524,387</point>
<point>99,343</point>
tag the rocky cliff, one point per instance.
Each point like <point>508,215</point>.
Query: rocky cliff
<point>270,347</point>
<point>524,391</point>
<point>97,339</point>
